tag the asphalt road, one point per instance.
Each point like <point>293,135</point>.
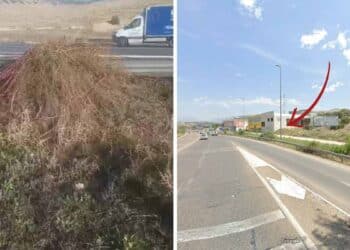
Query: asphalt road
<point>220,192</point>
<point>329,179</point>
<point>215,187</point>
<point>145,60</point>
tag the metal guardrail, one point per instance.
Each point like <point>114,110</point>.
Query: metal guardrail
<point>157,65</point>
<point>307,149</point>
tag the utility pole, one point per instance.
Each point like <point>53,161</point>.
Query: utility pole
<point>280,67</point>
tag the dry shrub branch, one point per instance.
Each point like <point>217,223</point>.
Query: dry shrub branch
<point>88,151</point>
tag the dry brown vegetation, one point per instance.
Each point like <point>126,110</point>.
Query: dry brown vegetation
<point>342,134</point>
<point>86,153</point>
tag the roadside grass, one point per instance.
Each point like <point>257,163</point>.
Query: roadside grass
<point>181,130</point>
<point>312,147</point>
<point>340,135</point>
<point>85,153</point>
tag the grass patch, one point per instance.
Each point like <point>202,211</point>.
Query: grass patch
<point>181,130</point>
<point>86,153</point>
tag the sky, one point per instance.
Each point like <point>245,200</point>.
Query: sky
<point>228,51</point>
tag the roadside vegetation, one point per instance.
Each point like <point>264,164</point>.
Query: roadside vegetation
<point>181,130</point>
<point>340,134</point>
<point>311,147</point>
<point>85,154</point>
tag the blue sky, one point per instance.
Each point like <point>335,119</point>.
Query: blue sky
<point>227,52</point>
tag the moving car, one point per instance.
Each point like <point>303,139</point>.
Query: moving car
<point>153,25</point>
<point>203,136</point>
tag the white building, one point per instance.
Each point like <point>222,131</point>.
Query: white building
<point>325,121</point>
<point>270,121</point>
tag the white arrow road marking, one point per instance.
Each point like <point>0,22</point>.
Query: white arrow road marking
<point>252,160</point>
<point>306,240</point>
<point>229,228</point>
<point>288,187</point>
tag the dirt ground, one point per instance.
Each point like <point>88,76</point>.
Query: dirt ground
<point>37,22</point>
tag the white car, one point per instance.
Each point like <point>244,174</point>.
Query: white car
<point>203,136</point>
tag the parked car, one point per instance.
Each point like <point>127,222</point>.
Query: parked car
<point>214,133</point>
<point>154,25</point>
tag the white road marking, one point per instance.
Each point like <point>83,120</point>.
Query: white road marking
<point>288,187</point>
<point>291,246</point>
<point>137,56</point>
<point>44,28</point>
<point>190,181</point>
<point>9,29</point>
<point>188,144</point>
<point>229,228</point>
<point>311,191</point>
<point>306,240</point>
<point>346,183</point>
<point>253,161</point>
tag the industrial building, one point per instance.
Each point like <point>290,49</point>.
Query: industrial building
<point>268,122</point>
<point>236,124</point>
<point>324,121</point>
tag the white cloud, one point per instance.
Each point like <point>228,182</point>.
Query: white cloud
<point>200,99</point>
<point>252,7</point>
<point>315,86</point>
<point>310,40</point>
<point>346,53</point>
<point>330,45</point>
<point>230,102</point>
<point>341,41</point>
<point>334,86</point>
<point>264,54</point>
<point>331,88</point>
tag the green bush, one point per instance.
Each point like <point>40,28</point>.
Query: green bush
<point>310,147</point>
<point>267,135</point>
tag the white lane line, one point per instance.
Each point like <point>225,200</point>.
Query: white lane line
<point>137,56</point>
<point>252,160</point>
<point>346,183</point>
<point>229,228</point>
<point>44,28</point>
<point>307,241</point>
<point>188,144</point>
<point>288,187</point>
<point>190,181</point>
<point>292,246</point>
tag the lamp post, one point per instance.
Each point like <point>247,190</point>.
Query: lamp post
<point>280,67</point>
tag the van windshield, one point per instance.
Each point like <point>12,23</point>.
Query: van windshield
<point>134,24</point>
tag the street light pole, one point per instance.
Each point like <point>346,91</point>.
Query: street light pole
<point>280,67</point>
